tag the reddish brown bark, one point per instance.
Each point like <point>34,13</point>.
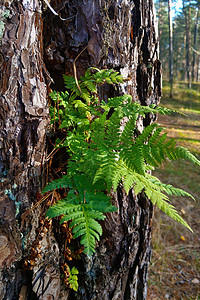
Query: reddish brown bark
<point>120,35</point>
<point>24,118</point>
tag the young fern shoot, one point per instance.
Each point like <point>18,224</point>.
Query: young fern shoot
<point>102,155</point>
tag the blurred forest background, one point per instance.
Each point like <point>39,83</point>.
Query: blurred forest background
<point>175,266</point>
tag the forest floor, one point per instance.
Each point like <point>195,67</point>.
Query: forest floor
<point>175,265</point>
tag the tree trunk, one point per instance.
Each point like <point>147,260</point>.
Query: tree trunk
<point>198,66</point>
<point>188,38</point>
<point>170,47</point>
<point>194,64</point>
<point>160,24</point>
<point>24,118</point>
<point>119,35</point>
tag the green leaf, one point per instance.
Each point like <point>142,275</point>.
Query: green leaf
<point>160,200</point>
<point>62,182</point>
<point>73,279</point>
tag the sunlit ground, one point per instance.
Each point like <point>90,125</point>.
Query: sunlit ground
<point>175,266</point>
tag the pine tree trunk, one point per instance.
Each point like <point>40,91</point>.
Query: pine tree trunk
<point>170,47</point>
<point>24,119</point>
<point>198,69</point>
<point>194,64</point>
<point>119,35</point>
<point>188,39</point>
<point>198,61</point>
<point>160,24</point>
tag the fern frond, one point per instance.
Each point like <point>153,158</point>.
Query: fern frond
<point>84,93</point>
<point>89,229</point>
<point>146,133</point>
<point>83,222</point>
<point>161,201</point>
<point>183,153</point>
<point>110,76</point>
<point>90,84</point>
<point>56,96</point>
<point>170,189</point>
<point>146,151</point>
<point>62,182</point>
<point>120,172</point>
<point>117,101</point>
<point>73,278</point>
<point>107,149</point>
<point>154,138</point>
<point>166,111</point>
<point>70,82</point>
<point>138,182</point>
<point>142,110</point>
<point>133,157</point>
<point>106,171</point>
<point>154,189</point>
<point>129,177</point>
<point>127,135</point>
<point>155,151</point>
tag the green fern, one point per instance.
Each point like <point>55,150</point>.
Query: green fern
<point>57,184</point>
<point>82,206</point>
<point>83,222</point>
<point>161,201</point>
<point>170,189</point>
<point>73,278</point>
<point>104,155</point>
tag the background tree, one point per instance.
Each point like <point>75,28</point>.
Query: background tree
<point>170,46</point>
<point>163,33</point>
<point>185,39</point>
<point>117,34</point>
<point>187,13</point>
<point>195,42</point>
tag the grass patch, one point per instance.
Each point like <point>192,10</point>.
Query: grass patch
<point>175,264</point>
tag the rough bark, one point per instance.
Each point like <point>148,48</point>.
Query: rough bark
<point>120,35</point>
<point>23,118</point>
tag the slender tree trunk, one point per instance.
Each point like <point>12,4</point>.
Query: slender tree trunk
<point>189,49</point>
<point>194,66</point>
<point>183,62</point>
<point>160,24</point>
<point>119,35</point>
<point>198,65</point>
<point>170,47</point>
<point>188,38</point>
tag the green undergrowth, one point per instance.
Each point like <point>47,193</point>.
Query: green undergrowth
<point>185,128</point>
<point>183,98</point>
